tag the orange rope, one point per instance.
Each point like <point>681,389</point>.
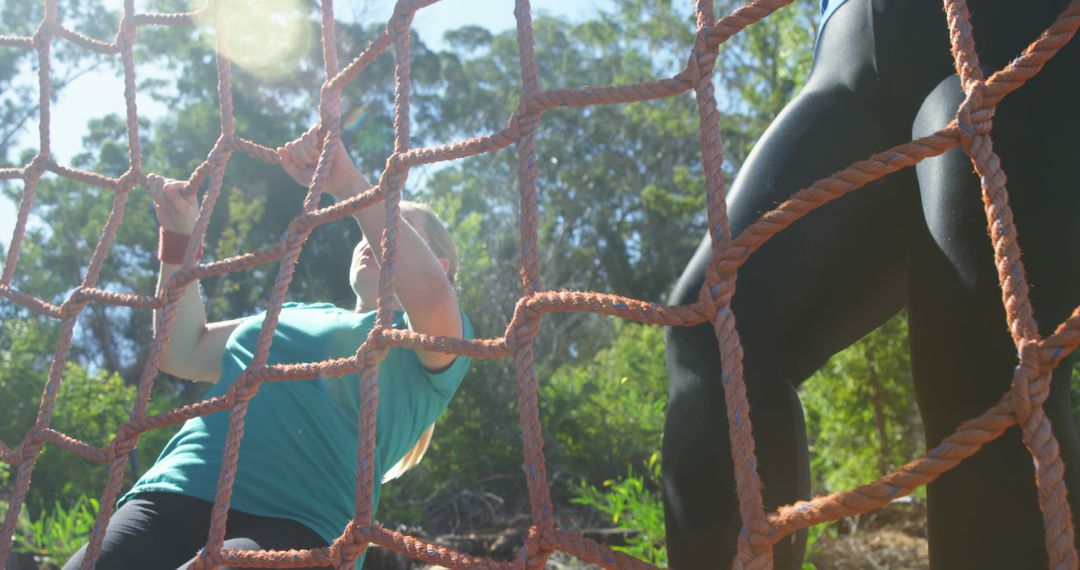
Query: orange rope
<point>970,130</point>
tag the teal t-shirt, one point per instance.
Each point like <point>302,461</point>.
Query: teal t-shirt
<point>298,455</point>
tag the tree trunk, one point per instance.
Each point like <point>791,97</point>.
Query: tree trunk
<point>878,401</point>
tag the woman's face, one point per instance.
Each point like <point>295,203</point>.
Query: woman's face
<point>364,265</point>
<point>364,271</point>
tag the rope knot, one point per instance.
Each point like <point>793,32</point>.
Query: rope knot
<point>401,20</point>
<point>692,73</point>
<point>526,116</point>
<point>125,442</point>
<point>31,447</point>
<point>74,305</point>
<point>125,35</point>
<point>244,388</point>
<point>125,438</point>
<point>130,178</point>
<point>718,288</point>
<point>702,58</point>
<point>973,117</point>
<point>294,234</point>
<point>38,165</point>
<point>371,356</point>
<point>524,325</point>
<point>37,440</point>
<point>720,291</point>
<point>705,300</point>
<point>394,177</point>
<point>1026,375</point>
<point>46,31</point>
<point>330,104</point>
<point>534,552</point>
<point>350,546</point>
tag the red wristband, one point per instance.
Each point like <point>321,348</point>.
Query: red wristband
<point>171,246</point>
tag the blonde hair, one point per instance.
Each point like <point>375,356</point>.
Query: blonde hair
<point>438,238</point>
<point>411,457</point>
<point>440,241</point>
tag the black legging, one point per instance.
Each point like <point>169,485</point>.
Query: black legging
<point>882,75</point>
<point>165,531</point>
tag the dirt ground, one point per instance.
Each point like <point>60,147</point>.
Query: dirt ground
<point>884,549</point>
<point>890,539</point>
<point>893,538</point>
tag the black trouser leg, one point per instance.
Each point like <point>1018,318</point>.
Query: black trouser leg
<point>802,280</point>
<point>151,531</point>
<point>985,512</point>
<point>833,276</point>
<point>247,532</point>
<point>165,531</point>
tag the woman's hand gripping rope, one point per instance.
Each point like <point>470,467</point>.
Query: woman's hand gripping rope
<point>193,349</point>
<point>175,211</point>
<point>300,157</point>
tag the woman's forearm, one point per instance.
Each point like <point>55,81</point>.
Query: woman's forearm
<point>193,348</point>
<point>421,285</point>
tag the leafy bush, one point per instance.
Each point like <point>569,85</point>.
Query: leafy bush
<point>57,534</point>
<point>89,406</point>
<point>607,412</point>
<point>633,502</point>
<point>860,408</point>
<point>813,534</point>
<point>1075,391</point>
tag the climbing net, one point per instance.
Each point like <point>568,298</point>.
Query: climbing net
<point>970,130</point>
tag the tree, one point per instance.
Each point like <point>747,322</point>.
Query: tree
<point>621,209</point>
<point>257,203</point>
<point>18,81</point>
<point>608,412</point>
<point>860,411</point>
<point>89,407</point>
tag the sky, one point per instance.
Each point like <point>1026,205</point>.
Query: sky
<point>96,94</point>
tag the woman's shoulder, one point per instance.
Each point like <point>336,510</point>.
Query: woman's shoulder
<point>313,318</point>
<point>401,320</point>
<point>313,310</point>
<point>299,306</point>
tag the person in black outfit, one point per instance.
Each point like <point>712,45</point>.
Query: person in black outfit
<point>883,75</point>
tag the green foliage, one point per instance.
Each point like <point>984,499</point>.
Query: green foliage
<point>18,97</point>
<point>813,535</point>
<point>596,229</point>
<point>89,406</point>
<point>607,412</point>
<point>598,416</point>
<point>633,502</point>
<point>53,258</point>
<point>58,533</point>
<point>1074,391</point>
<point>761,68</point>
<point>23,366</point>
<point>621,198</point>
<point>621,203</point>
<point>860,411</point>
